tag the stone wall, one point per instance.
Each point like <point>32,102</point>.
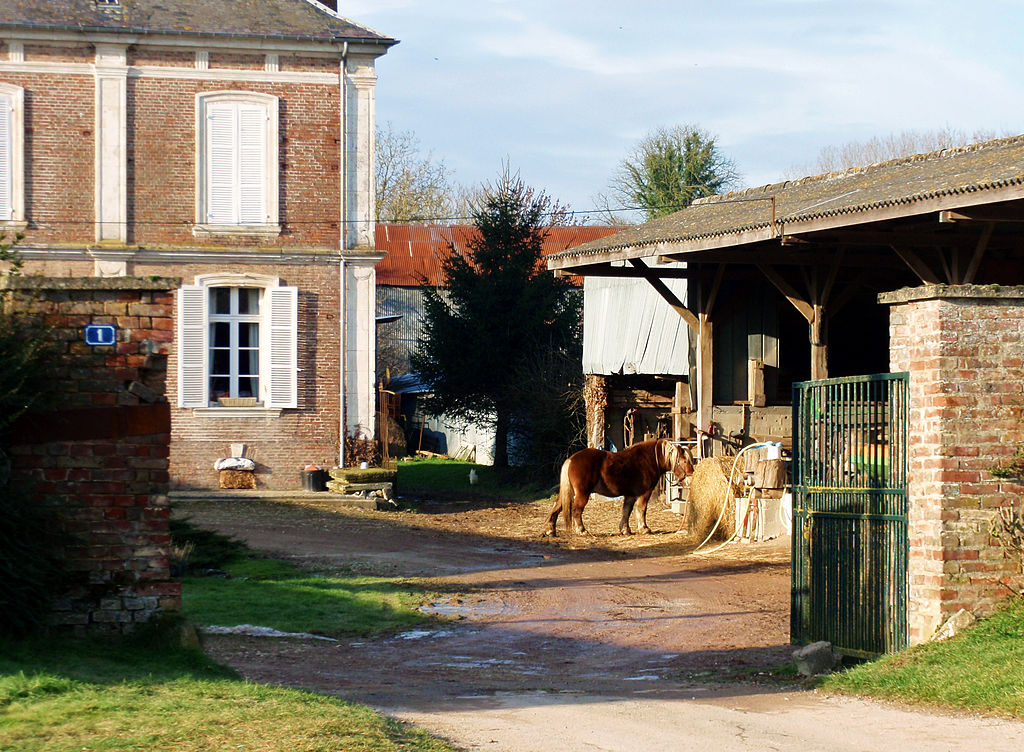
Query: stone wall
<point>101,455</point>
<point>964,348</point>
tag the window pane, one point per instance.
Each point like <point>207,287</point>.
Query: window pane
<point>248,363</point>
<point>220,362</point>
<point>220,300</point>
<point>248,300</point>
<point>219,387</point>
<point>248,335</point>
<point>248,387</point>
<point>220,334</point>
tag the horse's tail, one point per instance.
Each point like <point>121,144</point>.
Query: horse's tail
<point>565,496</point>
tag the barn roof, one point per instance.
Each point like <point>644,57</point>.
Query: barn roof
<point>415,252</point>
<point>952,178</point>
<point>280,19</point>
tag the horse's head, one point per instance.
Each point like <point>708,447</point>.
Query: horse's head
<point>678,460</point>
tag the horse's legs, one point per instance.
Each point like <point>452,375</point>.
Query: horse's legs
<point>549,530</point>
<point>579,503</point>
<point>641,513</point>
<point>627,509</point>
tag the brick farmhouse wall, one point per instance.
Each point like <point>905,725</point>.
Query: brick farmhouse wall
<point>161,196</point>
<point>964,348</point>
<point>101,456</point>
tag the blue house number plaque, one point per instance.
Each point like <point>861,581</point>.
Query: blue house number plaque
<point>100,334</point>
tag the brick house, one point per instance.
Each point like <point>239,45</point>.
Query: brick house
<point>229,145</point>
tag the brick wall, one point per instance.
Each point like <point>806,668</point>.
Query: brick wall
<point>280,442</point>
<point>964,349</point>
<point>161,144</point>
<point>102,454</point>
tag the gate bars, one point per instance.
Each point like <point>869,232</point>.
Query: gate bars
<point>850,542</point>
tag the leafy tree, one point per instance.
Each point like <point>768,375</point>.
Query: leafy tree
<point>498,311</point>
<point>668,170</point>
<point>31,570</point>
<point>409,186</point>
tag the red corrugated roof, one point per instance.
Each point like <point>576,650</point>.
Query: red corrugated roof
<point>415,252</point>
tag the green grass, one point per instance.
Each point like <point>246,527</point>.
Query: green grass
<point>270,593</point>
<point>66,696</point>
<point>980,669</point>
<point>444,478</point>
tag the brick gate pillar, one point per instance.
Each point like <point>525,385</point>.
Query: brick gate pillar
<point>964,348</point>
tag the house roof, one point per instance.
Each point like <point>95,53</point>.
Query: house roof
<point>968,176</point>
<point>280,19</point>
<point>415,252</point>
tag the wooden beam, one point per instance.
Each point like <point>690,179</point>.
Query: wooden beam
<point>833,272</point>
<point>979,253</point>
<point>787,290</point>
<point>670,297</point>
<point>607,270</point>
<point>981,214</point>
<point>919,267</point>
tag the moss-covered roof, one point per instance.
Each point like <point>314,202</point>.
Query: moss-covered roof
<point>282,19</point>
<point>899,184</point>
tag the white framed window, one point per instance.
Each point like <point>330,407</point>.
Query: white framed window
<point>237,342</point>
<point>237,162</point>
<point>12,154</point>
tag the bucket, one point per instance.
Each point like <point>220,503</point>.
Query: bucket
<point>314,480</point>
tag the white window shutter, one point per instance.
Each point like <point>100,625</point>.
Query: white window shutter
<point>252,165</point>
<point>221,164</point>
<point>6,159</point>
<point>282,372</point>
<point>192,346</point>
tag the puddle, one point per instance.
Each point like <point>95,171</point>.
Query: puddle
<point>464,608</point>
<point>250,630</point>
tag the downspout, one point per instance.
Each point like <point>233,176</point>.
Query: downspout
<point>342,271</point>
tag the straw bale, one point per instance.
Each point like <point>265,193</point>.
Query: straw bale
<point>709,489</point>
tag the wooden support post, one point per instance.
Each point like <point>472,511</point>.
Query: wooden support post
<point>681,412</point>
<point>819,343</point>
<point>705,372</point>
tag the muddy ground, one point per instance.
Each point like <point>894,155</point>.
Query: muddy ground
<point>603,642</point>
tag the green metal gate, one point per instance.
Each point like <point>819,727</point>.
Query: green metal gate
<point>850,513</point>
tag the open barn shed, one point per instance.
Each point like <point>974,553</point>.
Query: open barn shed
<point>911,268</point>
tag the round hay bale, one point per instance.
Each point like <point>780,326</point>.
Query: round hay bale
<point>709,490</point>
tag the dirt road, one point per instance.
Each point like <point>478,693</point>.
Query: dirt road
<point>607,643</point>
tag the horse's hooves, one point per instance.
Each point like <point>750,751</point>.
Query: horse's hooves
<point>549,534</point>
<point>626,531</point>
<point>644,531</point>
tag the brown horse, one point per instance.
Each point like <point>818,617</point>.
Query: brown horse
<point>632,473</point>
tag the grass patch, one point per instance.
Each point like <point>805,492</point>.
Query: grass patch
<point>275,594</point>
<point>445,478</point>
<point>980,669</point>
<point>66,696</point>
<point>270,593</point>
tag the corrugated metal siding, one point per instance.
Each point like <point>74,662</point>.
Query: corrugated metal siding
<point>402,334</point>
<point>629,328</point>
<point>415,252</point>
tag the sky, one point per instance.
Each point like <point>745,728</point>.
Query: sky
<point>563,90</point>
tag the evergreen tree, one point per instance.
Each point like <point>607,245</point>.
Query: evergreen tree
<point>498,310</point>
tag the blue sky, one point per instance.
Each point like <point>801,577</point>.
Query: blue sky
<point>564,90</point>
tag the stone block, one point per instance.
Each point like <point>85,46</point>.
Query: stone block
<point>816,658</point>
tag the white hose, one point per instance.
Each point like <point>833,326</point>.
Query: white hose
<point>727,500</point>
